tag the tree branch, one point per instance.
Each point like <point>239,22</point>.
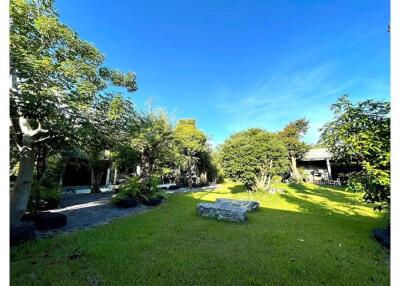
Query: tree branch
<point>42,139</point>
<point>39,130</point>
<point>14,134</point>
<point>27,129</point>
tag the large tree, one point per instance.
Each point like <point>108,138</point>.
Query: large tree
<point>55,76</point>
<point>191,144</point>
<point>107,127</point>
<point>154,142</point>
<point>253,157</point>
<point>359,134</point>
<point>291,136</point>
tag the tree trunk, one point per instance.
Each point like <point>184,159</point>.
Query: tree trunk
<point>190,182</point>
<point>115,175</point>
<point>64,166</point>
<point>268,182</point>
<point>41,164</point>
<point>295,171</point>
<point>20,196</point>
<point>95,181</point>
<point>269,177</point>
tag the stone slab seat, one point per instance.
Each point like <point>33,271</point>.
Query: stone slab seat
<point>222,212</point>
<point>248,205</point>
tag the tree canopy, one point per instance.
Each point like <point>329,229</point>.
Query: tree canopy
<point>253,156</point>
<point>154,142</point>
<point>291,136</point>
<point>360,133</point>
<point>191,147</point>
<point>56,77</point>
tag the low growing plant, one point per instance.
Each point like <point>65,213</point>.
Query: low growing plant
<point>44,196</point>
<point>133,187</point>
<point>152,190</point>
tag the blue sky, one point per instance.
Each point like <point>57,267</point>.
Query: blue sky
<point>239,64</point>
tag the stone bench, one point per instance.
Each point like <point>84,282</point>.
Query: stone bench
<point>222,212</point>
<point>227,209</point>
<point>247,205</point>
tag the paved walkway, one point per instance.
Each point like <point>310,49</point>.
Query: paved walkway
<point>88,210</point>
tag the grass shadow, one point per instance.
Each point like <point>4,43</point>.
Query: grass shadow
<point>335,194</point>
<point>236,189</point>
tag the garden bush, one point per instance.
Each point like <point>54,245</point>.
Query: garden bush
<point>45,195</point>
<point>129,189</point>
<point>134,187</point>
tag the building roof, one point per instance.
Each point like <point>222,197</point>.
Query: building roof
<point>317,154</point>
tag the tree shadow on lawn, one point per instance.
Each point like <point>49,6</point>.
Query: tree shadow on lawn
<point>337,195</point>
<point>348,220</point>
<point>333,194</point>
<point>237,189</point>
<point>276,247</point>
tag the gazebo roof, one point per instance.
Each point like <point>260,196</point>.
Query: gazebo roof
<point>317,154</point>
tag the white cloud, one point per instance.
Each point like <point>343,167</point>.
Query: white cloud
<point>285,96</point>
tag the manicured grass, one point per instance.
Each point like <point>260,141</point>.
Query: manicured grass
<point>310,235</point>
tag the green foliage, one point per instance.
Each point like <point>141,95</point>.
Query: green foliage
<point>291,136</point>
<point>154,142</point>
<point>359,134</point>
<point>303,173</point>
<point>253,156</point>
<point>259,185</point>
<point>141,189</point>
<point>106,127</point>
<point>59,83</point>
<point>58,75</point>
<point>277,179</point>
<point>216,166</point>
<point>153,190</point>
<point>189,139</point>
<point>125,157</point>
<point>192,152</point>
<point>107,123</point>
<point>44,195</point>
<point>131,188</point>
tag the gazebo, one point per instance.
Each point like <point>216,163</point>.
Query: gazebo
<point>316,163</point>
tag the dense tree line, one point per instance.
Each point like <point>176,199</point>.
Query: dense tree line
<point>60,101</point>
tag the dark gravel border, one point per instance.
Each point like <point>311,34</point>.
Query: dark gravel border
<point>85,211</point>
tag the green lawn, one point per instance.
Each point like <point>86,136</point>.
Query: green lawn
<point>311,235</point>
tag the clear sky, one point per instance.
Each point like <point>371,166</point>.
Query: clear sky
<point>239,64</point>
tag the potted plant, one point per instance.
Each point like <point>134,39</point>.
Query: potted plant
<point>153,195</point>
<point>128,193</point>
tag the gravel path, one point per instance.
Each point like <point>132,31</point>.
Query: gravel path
<point>193,190</point>
<point>88,210</point>
<point>84,211</point>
